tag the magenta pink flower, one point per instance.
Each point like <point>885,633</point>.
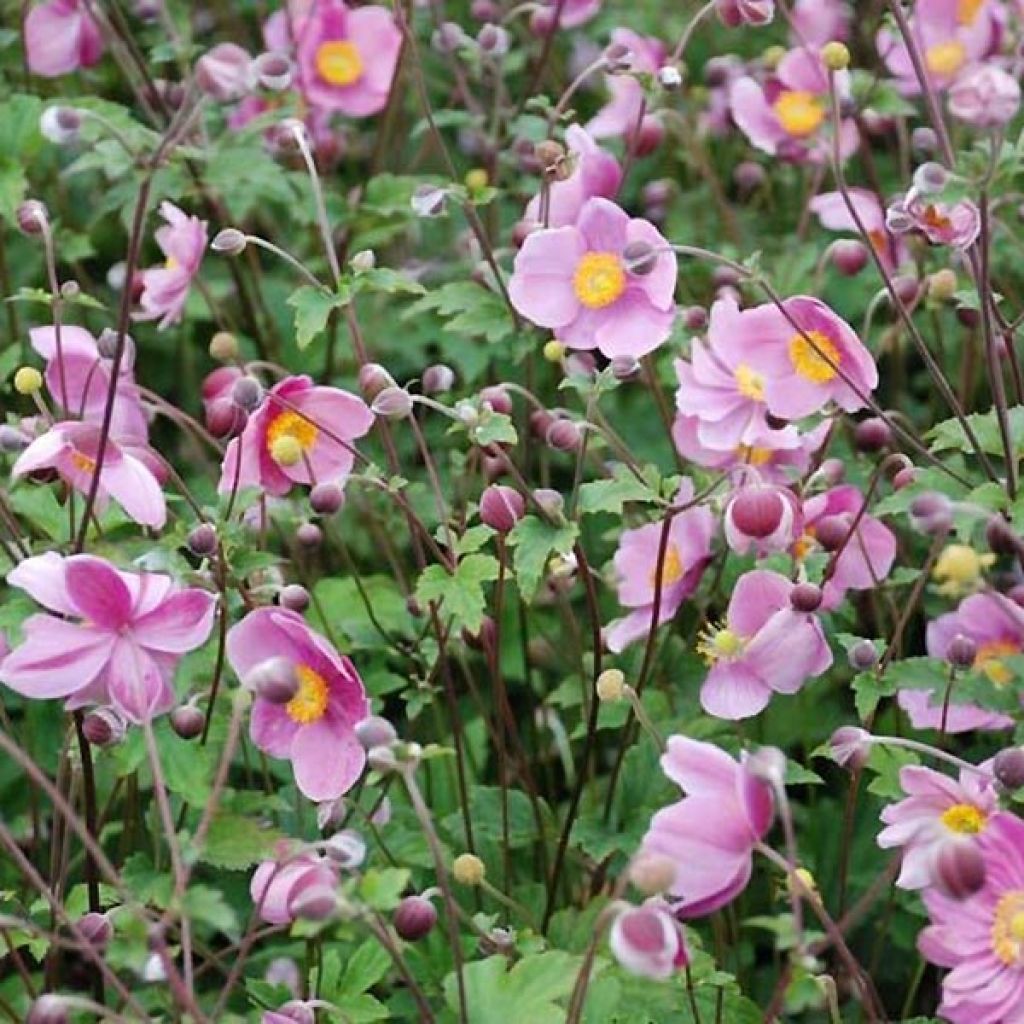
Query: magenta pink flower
<point>61,37</point>
<point>78,381</point>
<point>734,13</point>
<point>165,289</point>
<point>576,280</point>
<point>221,414</point>
<point>648,941</point>
<point>347,57</point>
<point>817,22</point>
<point>277,884</point>
<point>574,12</point>
<point>868,556</point>
<point>636,567</point>
<point>118,640</point>
<point>301,434</point>
<point>835,215</point>
<point>765,646</point>
<point>710,834</point>
<point>761,517</point>
<point>936,811</point>
<point>621,115</point>
<point>594,173</point>
<point>955,224</point>
<point>996,625</point>
<point>315,730</point>
<point>799,366</point>
<point>72,449</point>
<point>789,115</point>
<point>979,938</point>
<point>950,34</point>
<point>985,96</point>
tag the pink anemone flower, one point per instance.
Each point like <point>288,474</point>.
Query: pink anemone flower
<point>301,434</point>
<point>61,37</point>
<point>72,449</point>
<point>800,359</point>
<point>594,173</point>
<point>130,631</point>
<point>954,224</point>
<point>687,554</point>
<point>315,730</point>
<point>620,117</point>
<point>165,288</point>
<point>979,938</point>
<point>834,214</point>
<point>817,22</point>
<point>711,833</point>
<point>574,12</point>
<point>277,884</point>
<point>648,941</point>
<point>577,281</point>
<point>789,115</point>
<point>347,57</point>
<point>950,34</point>
<point>764,647</point>
<point>936,811</point>
<point>985,96</point>
<point>996,625</point>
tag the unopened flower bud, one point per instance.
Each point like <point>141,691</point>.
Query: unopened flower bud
<point>325,499</point>
<point>309,535</point>
<point>923,141</point>
<point>493,40</point>
<point>373,379</point>
<point>363,261</point>
<point>942,285</point>
<point>904,478</point>
<point>542,22</point>
<point>863,655</point>
<point>625,367</point>
<point>961,652</point>
<point>273,680</point>
<point>317,903</point>
<point>296,1011</point>
<point>850,746</point>
<point>830,532</point>
<point>104,727</point>
<point>501,508</point>
<point>393,403</point>
<point>12,440</point>
<point>618,58</point>
<point>610,685</point>
<point>382,759</point>
<point>229,241</point>
<point>805,597</point>
<point>907,288</point>
<point>468,869</point>
<point>49,1008</point>
<point>283,971</point>
<point>187,721</point>
<point>1008,767</point>
<point>553,351</point>
<point>346,848</point>
<point>958,868</point>
<point>551,502</point>
<point>438,379</point>
<point>273,71</point>
<point>670,77</point>
<point>849,256</point>
<point>835,56</point>
<point>294,597</point>
<point>639,258</point>
<point>652,873</point>
<point>96,929</point>
<point>1002,538</point>
<point>202,540</point>
<point>757,511</point>
<point>247,393</point>
<point>931,513</point>
<point>224,347</point>
<point>414,918</point>
<point>225,72</point>
<point>375,731</point>
<point>930,178</point>
<point>27,380</point>
<point>497,398</point>
<point>564,435</point>
<point>60,125</point>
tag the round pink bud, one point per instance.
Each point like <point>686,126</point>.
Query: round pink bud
<point>326,499</point>
<point>283,971</point>
<point>373,379</point>
<point>247,393</point>
<point>49,1009</point>
<point>309,535</point>
<point>542,22</point>
<point>393,403</point>
<point>564,435</point>
<point>757,511</point>
<point>849,256</point>
<point>863,655</point>
<point>904,478</point>
<point>924,141</point>
<point>202,540</point>
<point>224,419</point>
<point>317,903</point>
<point>438,379</point>
<point>187,721</point>
<point>104,727</point>
<point>501,508</point>
<point>832,471</point>
<point>551,502</point>
<point>961,652</point>
<point>497,398</point>
<point>225,72</point>
<point>229,241</point>
<point>273,680</point>
<point>31,216</point>
<point>749,176</point>
<point>805,597</point>
<point>1008,767</point>
<point>296,1012</point>
<point>414,918</point>
<point>294,597</point>
<point>625,367</point>
<point>540,422</point>
<point>958,869</point>
<point>831,531</point>
<point>96,929</point>
<point>850,746</point>
<point>907,288</point>
<point>931,513</point>
<point>871,435</point>
<point>375,731</point>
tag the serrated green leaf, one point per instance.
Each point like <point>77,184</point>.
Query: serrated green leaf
<point>313,307</point>
<point>382,888</point>
<point>534,540</point>
<point>235,842</point>
<point>460,593</point>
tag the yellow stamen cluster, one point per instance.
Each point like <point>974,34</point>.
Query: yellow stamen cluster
<point>814,362</point>
<point>959,568</point>
<point>717,643</point>
<point>1007,934</point>
<point>339,62</point>
<point>963,819</point>
<point>749,382</point>
<point>946,58</point>
<point>310,701</point>
<point>599,279</point>
<point>672,569</point>
<point>289,437</point>
<point>800,113</point>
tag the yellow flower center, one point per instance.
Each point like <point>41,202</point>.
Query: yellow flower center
<point>715,644</point>
<point>754,455</point>
<point>599,279</point>
<point>800,113</point>
<point>946,58</point>
<point>964,819</point>
<point>989,660</point>
<point>967,11</point>
<point>810,360</point>
<point>1008,928</point>
<point>83,462</point>
<point>171,263</point>
<point>310,702</point>
<point>339,62</point>
<point>960,567</point>
<point>672,569</point>
<point>804,544</point>
<point>749,382</point>
<point>289,436</point>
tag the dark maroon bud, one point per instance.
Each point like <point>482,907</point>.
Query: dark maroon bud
<point>493,467</point>
<point>294,597</point>
<point>414,918</point>
<point>805,597</point>
<point>501,508</point>
<point>1002,538</point>
<point>483,638</point>
<point>32,217</point>
<point>923,141</point>
<point>904,478</point>
<point>907,288</point>
<point>723,277</point>
<point>317,903</point>
<point>872,435</point>
<point>540,422</point>
<point>695,318</point>
<point>438,379</point>
<point>202,540</point>
<point>373,379</point>
<point>749,176</point>
<point>1008,767</point>
<point>224,419</point>
<point>757,511</point>
<point>962,651</point>
<point>49,1009</point>
<point>863,655</point>
<point>375,731</point>
<point>273,680</point>
<point>640,258</point>
<point>564,436</point>
<point>309,535</point>
<point>498,399</point>
<point>849,256</point>
<point>958,868</point>
<point>247,393</point>
<point>187,721</point>
<point>831,531</point>
<point>96,929</point>
<point>326,499</point>
<point>104,727</point>
<point>967,316</point>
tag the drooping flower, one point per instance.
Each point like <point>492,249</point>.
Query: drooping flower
<point>761,516</point>
<point>764,647</point>
<point>648,941</point>
<point>301,434</point>
<point>347,57</point>
<point>315,729</point>
<point>950,34</point>
<point>734,13</point>
<point>277,884</point>
<point>574,12</point>
<point>817,22</point>
<point>577,280</point>
<point>996,625</point>
<point>835,215</point>
<point>954,224</point>
<point>985,96</point>
<point>118,640</point>
<point>165,288</point>
<point>687,554</point>
<point>937,810</point>
<point>788,116</point>
<point>710,834</point>
<point>61,37</point>
<point>594,173</point>
<point>621,117</point>
<point>72,449</point>
<point>981,938</point>
<point>799,359</point>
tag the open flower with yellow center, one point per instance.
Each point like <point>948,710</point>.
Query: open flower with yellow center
<point>576,281</point>
<point>814,356</point>
<point>300,434</point>
<point>165,287</point>
<point>338,62</point>
<point>946,58</point>
<point>315,729</point>
<point>799,112</point>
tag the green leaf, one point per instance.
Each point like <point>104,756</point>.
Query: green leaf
<point>382,888</point>
<point>345,609</point>
<point>235,842</point>
<point>534,540</point>
<point>461,593</point>
<point>312,308</point>
<point>950,436</point>
<point>485,811</point>
<point>387,281</point>
<point>468,309</point>
<point>364,968</point>
<point>208,906</point>
<point>611,495</point>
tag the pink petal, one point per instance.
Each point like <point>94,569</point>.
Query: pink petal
<point>541,285</point>
<point>42,578</point>
<point>732,691</point>
<point>130,483</point>
<point>136,685</point>
<point>327,761</point>
<point>98,592</point>
<point>56,658</point>
<point>181,623</point>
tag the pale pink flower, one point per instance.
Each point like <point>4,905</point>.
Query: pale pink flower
<point>734,13</point>
<point>574,12</point>
<point>620,117</point>
<point>576,280</point>
<point>710,834</point>
<point>954,224</point>
<point>817,22</point>
<point>835,215</point>
<point>61,37</point>
<point>648,940</point>
<point>985,96</point>
<point>277,884</point>
<point>165,288</point>
<point>118,639</point>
